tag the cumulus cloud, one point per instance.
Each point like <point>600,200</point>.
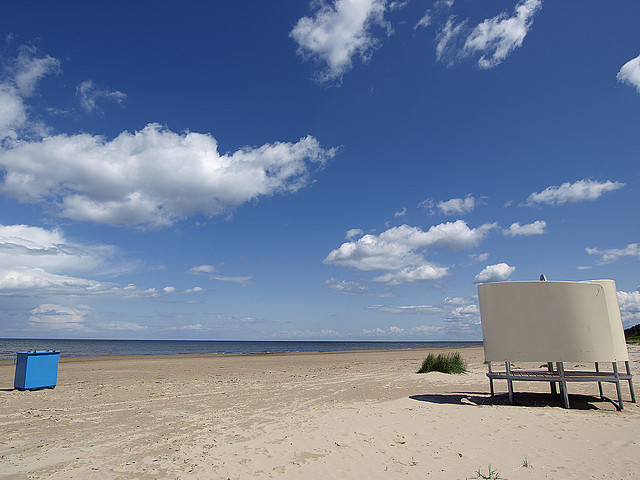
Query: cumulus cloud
<point>90,96</point>
<point>573,192</point>
<point>151,178</point>
<point>420,273</point>
<point>460,315</point>
<point>31,247</point>
<point>464,318</point>
<point>539,227</point>
<point>629,307</point>
<point>457,206</point>
<point>494,273</point>
<point>400,250</point>
<point>401,213</point>
<point>630,73</point>
<point>613,254</point>
<point>381,332</point>
<point>58,317</point>
<point>493,39</point>
<point>339,31</point>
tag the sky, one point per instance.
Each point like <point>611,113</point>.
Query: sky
<point>310,170</point>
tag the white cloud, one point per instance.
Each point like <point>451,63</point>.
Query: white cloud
<point>630,73</point>
<point>497,37</point>
<point>118,325</point>
<point>374,332</point>
<point>35,247</point>
<point>420,273</point>
<point>494,273</point>
<point>305,334</point>
<point>354,232</point>
<point>345,287</point>
<point>478,257</point>
<point>460,315</point>
<point>426,329</point>
<point>90,95</point>
<point>425,21</point>
<point>614,254</point>
<point>406,309</point>
<point>12,111</point>
<point>152,178</point>
<point>339,31</point>
<point>400,247</point>
<point>629,307</point>
<point>457,206</point>
<point>455,301</point>
<point>573,192</point>
<point>209,270</point>
<point>59,317</point>
<point>539,227</point>
<point>36,262</point>
<point>464,318</point>
<point>381,332</point>
<point>19,81</point>
<point>37,282</point>
<point>202,270</point>
<point>28,69</point>
<point>493,39</point>
<point>401,213</point>
<point>242,280</point>
<point>448,39</point>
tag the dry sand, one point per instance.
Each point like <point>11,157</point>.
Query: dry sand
<point>356,415</point>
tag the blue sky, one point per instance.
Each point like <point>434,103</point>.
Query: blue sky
<point>339,170</point>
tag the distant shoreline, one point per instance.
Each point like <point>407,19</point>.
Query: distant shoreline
<point>97,358</point>
<point>122,348</point>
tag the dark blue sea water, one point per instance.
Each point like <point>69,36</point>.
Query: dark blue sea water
<point>100,348</point>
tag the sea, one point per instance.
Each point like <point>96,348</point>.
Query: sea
<point>102,348</point>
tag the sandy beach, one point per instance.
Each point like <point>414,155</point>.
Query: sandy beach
<point>313,416</point>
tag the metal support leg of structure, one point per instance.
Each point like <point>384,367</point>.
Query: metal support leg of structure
<point>552,384</point>
<point>615,372</point>
<point>633,394</point>
<point>563,385</point>
<point>507,366</point>
<point>599,383</point>
<point>490,379</point>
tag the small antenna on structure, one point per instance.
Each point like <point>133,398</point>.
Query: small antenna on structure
<point>543,278</point>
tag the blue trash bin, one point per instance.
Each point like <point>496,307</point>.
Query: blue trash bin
<point>36,369</point>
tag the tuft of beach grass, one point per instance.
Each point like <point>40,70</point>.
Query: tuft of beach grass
<point>490,475</point>
<point>445,363</point>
